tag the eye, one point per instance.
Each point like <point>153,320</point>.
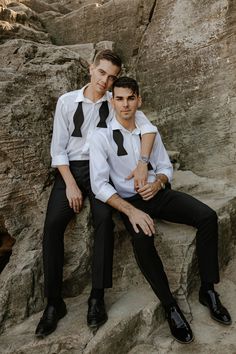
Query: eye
<point>112,78</point>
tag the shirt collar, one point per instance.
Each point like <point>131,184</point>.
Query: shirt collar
<point>80,97</point>
<point>116,125</point>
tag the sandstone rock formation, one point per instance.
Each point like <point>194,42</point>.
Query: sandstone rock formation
<point>183,54</point>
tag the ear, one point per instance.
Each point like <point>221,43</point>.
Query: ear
<point>139,101</point>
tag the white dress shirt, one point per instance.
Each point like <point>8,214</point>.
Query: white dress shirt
<point>105,164</point>
<point>64,147</point>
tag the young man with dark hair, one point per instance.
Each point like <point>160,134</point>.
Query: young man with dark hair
<point>77,115</point>
<point>154,199</point>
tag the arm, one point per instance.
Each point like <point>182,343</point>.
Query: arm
<point>136,216</point>
<point>148,132</point>
<point>73,193</point>
<point>103,190</point>
<point>60,159</point>
<point>163,169</point>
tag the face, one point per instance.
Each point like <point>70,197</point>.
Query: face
<point>103,75</point>
<point>125,103</point>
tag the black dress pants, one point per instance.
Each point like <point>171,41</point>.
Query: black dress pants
<point>180,208</point>
<point>58,216</point>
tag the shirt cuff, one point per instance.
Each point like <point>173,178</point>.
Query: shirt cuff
<point>167,173</point>
<point>147,128</point>
<point>59,160</point>
<point>105,193</point>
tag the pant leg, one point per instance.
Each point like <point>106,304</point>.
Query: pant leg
<point>103,243</point>
<point>150,263</point>
<point>182,208</point>
<point>58,216</point>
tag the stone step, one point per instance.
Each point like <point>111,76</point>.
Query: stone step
<point>210,336</point>
<point>133,310</point>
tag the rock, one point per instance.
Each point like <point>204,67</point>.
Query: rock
<point>34,75</point>
<point>186,68</point>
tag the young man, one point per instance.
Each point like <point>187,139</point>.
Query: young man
<point>154,199</point>
<point>77,114</point>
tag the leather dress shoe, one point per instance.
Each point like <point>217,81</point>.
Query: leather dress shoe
<point>48,322</point>
<point>179,327</point>
<point>97,315</point>
<point>218,312</point>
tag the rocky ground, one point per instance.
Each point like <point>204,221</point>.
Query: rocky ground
<point>183,54</point>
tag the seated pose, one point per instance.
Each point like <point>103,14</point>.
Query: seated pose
<point>78,113</point>
<point>114,152</point>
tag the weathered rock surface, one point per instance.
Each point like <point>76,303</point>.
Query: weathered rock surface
<point>183,54</point>
<point>134,313</point>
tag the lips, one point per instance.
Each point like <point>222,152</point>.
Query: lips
<point>102,87</point>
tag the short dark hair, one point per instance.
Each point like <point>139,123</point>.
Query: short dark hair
<point>126,82</point>
<point>109,55</point>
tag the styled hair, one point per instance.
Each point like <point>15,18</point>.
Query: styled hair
<point>126,82</point>
<point>108,55</point>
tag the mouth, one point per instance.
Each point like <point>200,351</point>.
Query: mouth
<point>101,87</point>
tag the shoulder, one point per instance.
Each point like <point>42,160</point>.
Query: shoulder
<point>69,96</point>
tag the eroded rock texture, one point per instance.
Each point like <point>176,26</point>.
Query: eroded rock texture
<point>183,54</point>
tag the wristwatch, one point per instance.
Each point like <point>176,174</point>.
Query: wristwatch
<point>144,159</point>
<point>163,186</point>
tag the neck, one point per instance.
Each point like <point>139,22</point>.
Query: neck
<point>128,124</point>
<point>91,94</point>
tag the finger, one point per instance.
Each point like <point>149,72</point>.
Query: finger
<point>70,203</point>
<point>150,223</point>
<point>130,176</point>
<point>75,205</point>
<point>135,228</point>
<point>80,200</point>
<point>144,188</point>
<point>147,193</point>
<point>151,227</point>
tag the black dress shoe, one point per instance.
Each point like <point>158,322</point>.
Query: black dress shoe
<point>48,322</point>
<point>97,315</point>
<point>179,327</point>
<point>218,312</point>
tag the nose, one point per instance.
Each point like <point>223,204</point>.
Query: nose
<point>125,103</point>
<point>105,79</point>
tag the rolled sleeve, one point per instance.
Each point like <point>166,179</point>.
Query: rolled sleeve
<point>99,167</point>
<point>144,124</point>
<point>60,136</point>
<point>106,192</point>
<point>60,160</point>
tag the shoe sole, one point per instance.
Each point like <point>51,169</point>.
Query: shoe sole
<point>96,326</point>
<point>179,341</point>
<point>41,336</point>
<point>214,318</point>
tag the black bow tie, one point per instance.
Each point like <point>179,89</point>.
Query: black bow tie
<point>79,118</point>
<point>119,139</point>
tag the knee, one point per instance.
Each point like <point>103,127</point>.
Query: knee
<point>208,217</point>
<point>142,242</point>
<point>103,217</point>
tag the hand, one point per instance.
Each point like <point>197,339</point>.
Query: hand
<point>140,175</point>
<point>75,197</point>
<point>149,190</point>
<point>138,218</point>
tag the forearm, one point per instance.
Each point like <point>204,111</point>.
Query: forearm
<point>120,204</point>
<point>147,144</point>
<point>66,175</point>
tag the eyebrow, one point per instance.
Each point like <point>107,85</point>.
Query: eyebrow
<point>131,96</point>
